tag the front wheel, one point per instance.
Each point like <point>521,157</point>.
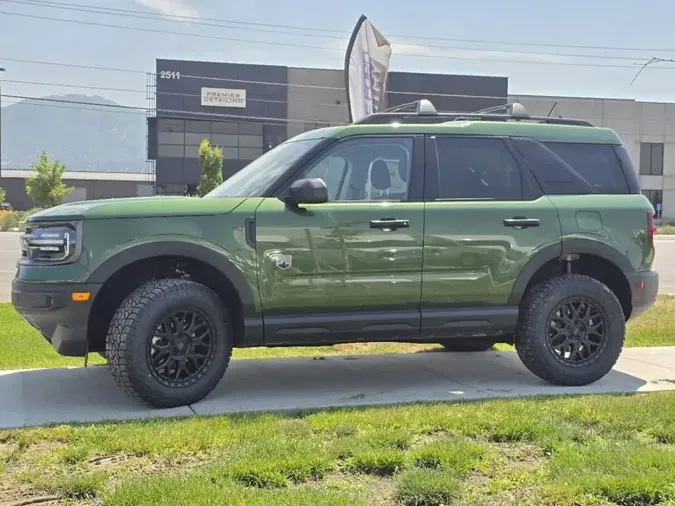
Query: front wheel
<point>170,342</point>
<point>571,330</point>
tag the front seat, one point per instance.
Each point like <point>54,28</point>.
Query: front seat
<point>380,179</point>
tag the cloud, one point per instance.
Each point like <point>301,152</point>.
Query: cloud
<point>424,52</point>
<point>170,7</point>
<point>473,54</point>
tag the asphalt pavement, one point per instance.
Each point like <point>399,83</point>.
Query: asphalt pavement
<point>52,396</point>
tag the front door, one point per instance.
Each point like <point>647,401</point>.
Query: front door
<point>485,220</point>
<point>351,268</point>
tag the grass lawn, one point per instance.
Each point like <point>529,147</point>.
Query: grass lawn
<point>599,450</point>
<point>21,347</point>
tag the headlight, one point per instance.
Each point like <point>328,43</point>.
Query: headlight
<point>50,243</point>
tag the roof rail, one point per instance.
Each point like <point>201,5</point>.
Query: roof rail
<point>423,111</point>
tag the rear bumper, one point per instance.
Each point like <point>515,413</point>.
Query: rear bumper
<point>644,287</point>
<point>49,308</point>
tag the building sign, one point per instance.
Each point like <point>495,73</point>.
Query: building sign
<point>220,97</point>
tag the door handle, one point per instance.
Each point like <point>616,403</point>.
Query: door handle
<point>521,222</point>
<point>387,224</point>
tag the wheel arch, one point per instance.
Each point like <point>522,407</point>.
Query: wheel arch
<point>124,271</point>
<point>595,259</point>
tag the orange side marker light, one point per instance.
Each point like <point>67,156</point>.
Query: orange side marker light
<point>81,296</point>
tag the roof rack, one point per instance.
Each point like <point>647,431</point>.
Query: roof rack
<point>423,111</point>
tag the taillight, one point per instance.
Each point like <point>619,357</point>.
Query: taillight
<point>651,228</point>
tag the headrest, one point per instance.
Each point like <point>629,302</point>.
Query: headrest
<point>379,175</point>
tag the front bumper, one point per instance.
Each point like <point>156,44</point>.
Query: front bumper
<point>49,308</point>
<point>644,287</point>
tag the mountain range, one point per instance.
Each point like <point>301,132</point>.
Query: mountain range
<point>82,137</point>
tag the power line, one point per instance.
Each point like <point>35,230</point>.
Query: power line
<point>195,95</point>
<point>345,33</point>
<point>185,114</point>
<point>116,111</point>
<point>171,93</point>
<point>324,48</point>
<point>134,14</point>
<point>266,83</point>
<point>59,106</point>
<point>168,32</point>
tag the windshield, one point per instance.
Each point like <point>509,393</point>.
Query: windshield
<point>256,177</point>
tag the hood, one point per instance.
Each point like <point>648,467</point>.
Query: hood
<point>138,207</point>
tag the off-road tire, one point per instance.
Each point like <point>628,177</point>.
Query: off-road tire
<point>133,325</point>
<point>471,344</point>
<point>531,336</point>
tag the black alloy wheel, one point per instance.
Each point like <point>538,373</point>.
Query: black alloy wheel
<point>576,330</point>
<point>170,342</point>
<point>571,330</point>
<point>181,348</point>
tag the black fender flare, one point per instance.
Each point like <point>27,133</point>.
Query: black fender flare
<point>212,257</point>
<point>567,246</point>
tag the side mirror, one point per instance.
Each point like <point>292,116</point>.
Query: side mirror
<point>307,191</point>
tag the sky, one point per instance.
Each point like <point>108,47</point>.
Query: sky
<point>590,48</point>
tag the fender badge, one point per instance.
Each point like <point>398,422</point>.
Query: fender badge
<point>284,262</point>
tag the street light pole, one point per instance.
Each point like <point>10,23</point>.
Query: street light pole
<point>1,70</point>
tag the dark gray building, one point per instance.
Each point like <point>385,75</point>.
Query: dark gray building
<point>249,109</point>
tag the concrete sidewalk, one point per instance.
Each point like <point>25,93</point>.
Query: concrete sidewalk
<point>40,397</point>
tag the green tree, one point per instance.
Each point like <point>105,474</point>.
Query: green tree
<point>211,166</point>
<point>2,195</point>
<point>45,188</point>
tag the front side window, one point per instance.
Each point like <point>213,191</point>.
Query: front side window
<point>366,169</point>
<point>476,169</point>
<point>254,179</point>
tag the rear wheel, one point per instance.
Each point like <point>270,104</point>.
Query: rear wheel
<point>571,330</point>
<point>468,344</point>
<point>169,343</point>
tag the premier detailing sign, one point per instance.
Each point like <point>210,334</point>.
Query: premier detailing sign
<point>220,97</point>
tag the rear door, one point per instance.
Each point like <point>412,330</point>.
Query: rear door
<point>485,218</point>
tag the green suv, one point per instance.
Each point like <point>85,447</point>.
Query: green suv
<point>410,226</point>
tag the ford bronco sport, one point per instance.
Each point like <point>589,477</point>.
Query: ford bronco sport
<point>411,226</point>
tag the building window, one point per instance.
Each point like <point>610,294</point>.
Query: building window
<point>656,198</point>
<point>651,159</point>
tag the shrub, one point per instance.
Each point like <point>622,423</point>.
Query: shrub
<point>666,230</point>
<point>12,219</point>
<point>3,217</point>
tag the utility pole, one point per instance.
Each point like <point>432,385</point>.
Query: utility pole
<point>1,70</point>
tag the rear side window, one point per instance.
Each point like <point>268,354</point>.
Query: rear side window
<point>574,169</point>
<point>476,169</point>
<point>596,163</point>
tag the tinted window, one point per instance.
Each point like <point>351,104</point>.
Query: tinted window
<point>366,169</point>
<point>554,175</point>
<point>476,169</point>
<point>596,163</point>
<point>628,169</point>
